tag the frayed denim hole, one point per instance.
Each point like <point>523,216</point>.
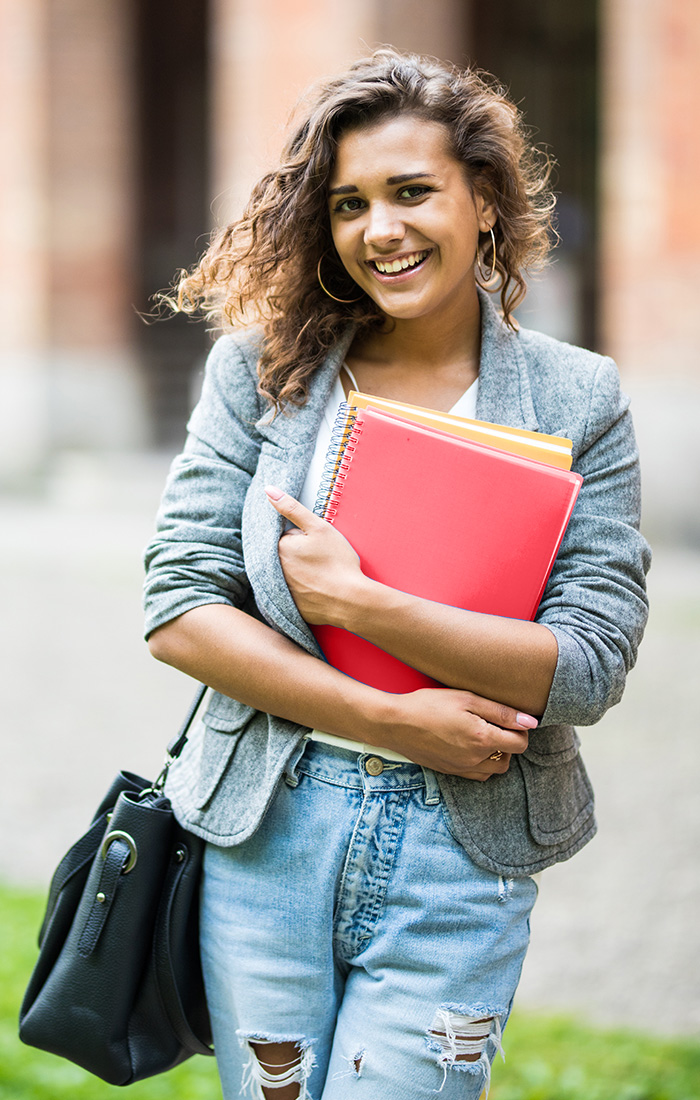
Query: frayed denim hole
<point>355,1063</point>
<point>456,1036</point>
<point>505,888</point>
<point>257,1075</point>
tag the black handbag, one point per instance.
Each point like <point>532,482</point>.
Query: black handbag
<point>118,987</point>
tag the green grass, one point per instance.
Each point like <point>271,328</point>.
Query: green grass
<point>28,1074</point>
<point>548,1058</point>
<point>553,1058</point>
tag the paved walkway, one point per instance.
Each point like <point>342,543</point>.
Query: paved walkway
<point>616,934</point>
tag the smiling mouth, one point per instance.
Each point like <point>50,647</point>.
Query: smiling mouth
<point>401,264</point>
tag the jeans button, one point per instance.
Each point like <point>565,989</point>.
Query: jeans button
<point>374,766</point>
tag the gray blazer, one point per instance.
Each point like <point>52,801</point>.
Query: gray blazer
<point>217,543</point>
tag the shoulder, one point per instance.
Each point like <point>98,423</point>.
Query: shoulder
<point>573,389</point>
<point>231,376</point>
<point>232,365</point>
<point>230,404</point>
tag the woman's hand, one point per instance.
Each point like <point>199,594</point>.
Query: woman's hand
<point>452,731</point>
<point>455,732</point>
<point>449,730</point>
<point>320,566</point>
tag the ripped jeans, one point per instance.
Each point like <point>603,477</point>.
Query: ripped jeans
<point>354,926</point>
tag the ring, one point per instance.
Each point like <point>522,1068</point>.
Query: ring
<point>497,755</point>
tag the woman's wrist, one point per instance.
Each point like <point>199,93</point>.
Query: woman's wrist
<point>385,720</point>
<point>366,714</point>
<point>354,608</point>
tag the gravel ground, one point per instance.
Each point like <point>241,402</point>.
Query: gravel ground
<point>615,934</point>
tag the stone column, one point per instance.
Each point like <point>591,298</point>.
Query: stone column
<point>68,376</point>
<point>650,173</point>
<point>23,238</point>
<point>266,52</point>
<point>96,392</point>
<point>650,241</point>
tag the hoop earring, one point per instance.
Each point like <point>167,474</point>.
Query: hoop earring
<point>345,301</point>
<point>486,280</point>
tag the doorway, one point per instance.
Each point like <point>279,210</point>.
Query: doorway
<point>546,53</point>
<point>172,196</point>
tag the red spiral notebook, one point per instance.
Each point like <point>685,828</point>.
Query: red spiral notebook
<point>441,517</point>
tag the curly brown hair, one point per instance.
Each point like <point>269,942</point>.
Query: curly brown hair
<point>263,267</point>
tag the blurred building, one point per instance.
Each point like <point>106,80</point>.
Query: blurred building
<point>128,127</point>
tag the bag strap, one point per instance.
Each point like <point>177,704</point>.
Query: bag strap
<point>180,740</point>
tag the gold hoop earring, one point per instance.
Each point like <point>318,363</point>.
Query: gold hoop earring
<point>345,301</point>
<point>486,280</point>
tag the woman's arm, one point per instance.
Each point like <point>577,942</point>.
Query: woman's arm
<point>506,659</point>
<point>450,731</point>
<point>570,665</point>
<point>197,586</point>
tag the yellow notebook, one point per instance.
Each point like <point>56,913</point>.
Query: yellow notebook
<point>551,449</point>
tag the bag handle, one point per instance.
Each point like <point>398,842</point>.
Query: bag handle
<point>178,742</point>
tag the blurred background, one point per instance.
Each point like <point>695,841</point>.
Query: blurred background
<point>127,130</point>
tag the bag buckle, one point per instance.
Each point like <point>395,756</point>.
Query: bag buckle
<point>119,834</point>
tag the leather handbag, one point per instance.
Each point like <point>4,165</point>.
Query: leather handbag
<point>118,987</point>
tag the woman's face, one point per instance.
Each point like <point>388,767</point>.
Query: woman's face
<point>404,219</point>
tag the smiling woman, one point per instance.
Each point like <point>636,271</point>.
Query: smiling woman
<point>265,267</point>
<point>368,874</point>
<point>410,239</point>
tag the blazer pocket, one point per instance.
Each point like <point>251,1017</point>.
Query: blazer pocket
<point>552,745</point>
<point>227,714</point>
<point>222,732</point>
<point>559,796</point>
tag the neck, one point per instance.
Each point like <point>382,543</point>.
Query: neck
<point>427,361</point>
<point>453,336</point>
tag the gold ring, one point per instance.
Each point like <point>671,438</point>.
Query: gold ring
<point>497,755</point>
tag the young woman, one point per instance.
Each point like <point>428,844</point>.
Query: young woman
<point>367,883</point>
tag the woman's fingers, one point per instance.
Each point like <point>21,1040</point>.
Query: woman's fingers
<point>293,510</point>
<point>446,729</point>
<point>320,566</point>
<point>485,770</point>
<point>498,714</point>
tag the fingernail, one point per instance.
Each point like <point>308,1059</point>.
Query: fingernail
<point>526,720</point>
<point>273,492</point>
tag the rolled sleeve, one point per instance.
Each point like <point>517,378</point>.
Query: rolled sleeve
<point>595,603</point>
<point>196,556</point>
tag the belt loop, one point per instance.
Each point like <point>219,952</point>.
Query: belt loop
<point>432,790</point>
<point>290,772</point>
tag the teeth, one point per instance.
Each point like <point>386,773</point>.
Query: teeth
<point>392,266</point>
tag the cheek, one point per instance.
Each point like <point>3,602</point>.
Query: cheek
<point>341,240</point>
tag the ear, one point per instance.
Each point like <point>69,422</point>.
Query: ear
<point>485,205</point>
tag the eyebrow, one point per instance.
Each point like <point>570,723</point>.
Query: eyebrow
<point>349,188</point>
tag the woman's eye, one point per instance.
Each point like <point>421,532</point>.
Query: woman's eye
<point>348,206</point>
<point>414,191</point>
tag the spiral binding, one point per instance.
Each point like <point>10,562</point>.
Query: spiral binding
<point>338,457</point>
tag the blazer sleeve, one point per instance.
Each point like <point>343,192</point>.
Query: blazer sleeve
<point>595,602</point>
<point>196,556</point>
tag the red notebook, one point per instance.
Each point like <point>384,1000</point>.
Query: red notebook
<point>444,518</point>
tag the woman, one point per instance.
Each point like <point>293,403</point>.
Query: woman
<point>367,884</point>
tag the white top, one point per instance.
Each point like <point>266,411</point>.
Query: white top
<point>465,406</point>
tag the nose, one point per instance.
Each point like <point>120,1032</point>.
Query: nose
<point>384,226</point>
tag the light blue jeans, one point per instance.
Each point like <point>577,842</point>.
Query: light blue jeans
<point>354,925</point>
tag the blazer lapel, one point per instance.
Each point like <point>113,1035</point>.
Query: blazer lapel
<point>504,385</point>
<point>288,443</point>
